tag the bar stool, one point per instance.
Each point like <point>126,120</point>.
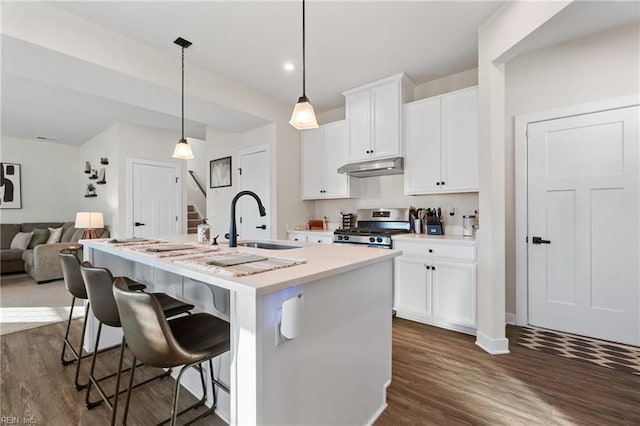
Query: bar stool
<point>99,282</point>
<point>75,285</point>
<point>158,342</point>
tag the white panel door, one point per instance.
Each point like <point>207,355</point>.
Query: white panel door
<point>336,152</point>
<point>583,199</point>
<point>460,141</point>
<point>422,146</point>
<point>255,176</point>
<point>385,101</point>
<point>313,171</point>
<point>155,201</point>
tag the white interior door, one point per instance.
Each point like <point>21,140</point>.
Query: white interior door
<point>155,190</point>
<point>254,175</point>
<point>583,197</point>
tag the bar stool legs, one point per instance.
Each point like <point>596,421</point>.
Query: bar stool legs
<point>77,354</point>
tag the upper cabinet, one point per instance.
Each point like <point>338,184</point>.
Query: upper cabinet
<point>324,150</point>
<point>441,143</point>
<point>374,117</point>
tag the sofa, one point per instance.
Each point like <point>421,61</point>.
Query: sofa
<point>40,262</point>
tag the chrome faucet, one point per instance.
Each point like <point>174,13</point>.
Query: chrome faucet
<point>233,240</point>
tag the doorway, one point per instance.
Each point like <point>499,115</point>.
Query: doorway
<point>583,224</point>
<point>155,199</point>
<point>254,174</point>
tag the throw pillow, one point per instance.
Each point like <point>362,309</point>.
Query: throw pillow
<point>54,235</point>
<point>21,241</point>
<point>40,236</point>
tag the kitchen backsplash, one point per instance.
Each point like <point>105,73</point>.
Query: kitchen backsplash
<point>388,191</point>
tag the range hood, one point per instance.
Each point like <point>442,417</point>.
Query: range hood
<point>387,166</point>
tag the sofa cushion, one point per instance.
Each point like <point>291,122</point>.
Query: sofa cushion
<point>54,235</point>
<point>21,241</point>
<point>27,256</point>
<point>28,227</point>
<point>68,232</point>
<point>10,254</point>
<point>7,232</point>
<point>40,236</point>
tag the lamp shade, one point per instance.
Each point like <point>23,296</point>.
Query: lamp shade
<point>183,151</point>
<point>303,117</point>
<point>89,220</point>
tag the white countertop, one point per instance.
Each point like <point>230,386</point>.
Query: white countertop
<point>449,239</point>
<point>313,231</point>
<point>322,260</point>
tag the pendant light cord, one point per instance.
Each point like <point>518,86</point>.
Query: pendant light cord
<point>182,94</point>
<point>304,94</point>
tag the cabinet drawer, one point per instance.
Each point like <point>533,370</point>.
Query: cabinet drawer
<point>437,250</point>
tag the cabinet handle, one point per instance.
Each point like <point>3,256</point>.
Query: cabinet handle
<point>430,250</point>
<point>441,183</point>
<point>433,268</point>
<point>427,266</point>
<point>438,183</point>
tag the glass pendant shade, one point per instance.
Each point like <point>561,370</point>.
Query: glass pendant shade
<point>303,117</point>
<point>183,150</point>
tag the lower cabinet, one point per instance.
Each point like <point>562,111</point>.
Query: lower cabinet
<point>434,291</point>
<point>311,237</point>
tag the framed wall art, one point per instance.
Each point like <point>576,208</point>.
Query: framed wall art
<point>10,186</point>
<point>220,172</point>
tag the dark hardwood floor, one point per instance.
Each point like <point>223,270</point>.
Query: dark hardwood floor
<point>442,378</point>
<point>439,378</point>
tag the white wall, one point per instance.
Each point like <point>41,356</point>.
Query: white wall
<point>104,144</point>
<point>51,176</point>
<point>595,67</point>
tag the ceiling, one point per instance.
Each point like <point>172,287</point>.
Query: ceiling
<point>349,43</point>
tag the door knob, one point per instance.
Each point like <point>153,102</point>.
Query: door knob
<point>261,227</point>
<point>538,240</point>
<point>138,224</point>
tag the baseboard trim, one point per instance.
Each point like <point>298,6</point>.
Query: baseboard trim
<point>510,318</point>
<point>384,405</point>
<point>492,346</point>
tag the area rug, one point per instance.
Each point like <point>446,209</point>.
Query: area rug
<point>24,304</point>
<point>606,354</point>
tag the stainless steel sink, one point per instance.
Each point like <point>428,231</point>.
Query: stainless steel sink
<point>268,245</point>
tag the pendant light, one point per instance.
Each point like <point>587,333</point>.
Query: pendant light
<point>183,150</point>
<point>303,117</point>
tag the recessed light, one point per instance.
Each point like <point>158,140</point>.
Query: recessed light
<point>288,66</point>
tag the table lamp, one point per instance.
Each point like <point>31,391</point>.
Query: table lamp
<point>90,221</point>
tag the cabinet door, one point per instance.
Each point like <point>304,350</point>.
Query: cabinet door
<point>412,288</point>
<point>336,152</point>
<point>454,292</point>
<point>358,114</point>
<point>386,110</point>
<point>313,169</point>
<point>294,236</point>
<point>460,141</point>
<point>321,239</point>
<point>422,146</point>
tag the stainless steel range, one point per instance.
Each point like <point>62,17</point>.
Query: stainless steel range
<point>375,228</point>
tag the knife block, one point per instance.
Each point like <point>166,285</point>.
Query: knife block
<point>434,229</point>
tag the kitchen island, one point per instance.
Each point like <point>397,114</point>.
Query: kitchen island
<point>338,365</point>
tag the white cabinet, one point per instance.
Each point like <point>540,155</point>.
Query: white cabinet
<point>324,150</point>
<point>441,143</point>
<point>321,237</point>
<point>374,116</point>
<point>435,283</point>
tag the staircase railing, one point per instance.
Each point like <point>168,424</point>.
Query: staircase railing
<point>193,175</point>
